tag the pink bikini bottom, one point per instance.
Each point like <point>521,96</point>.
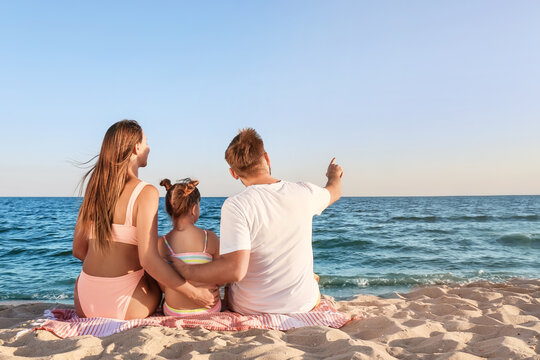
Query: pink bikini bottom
<point>107,297</point>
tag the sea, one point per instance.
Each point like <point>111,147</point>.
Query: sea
<point>361,245</point>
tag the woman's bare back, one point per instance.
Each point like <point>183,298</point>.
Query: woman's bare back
<point>120,259</point>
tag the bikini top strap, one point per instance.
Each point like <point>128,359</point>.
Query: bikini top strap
<point>167,243</point>
<point>131,203</point>
<point>205,240</point>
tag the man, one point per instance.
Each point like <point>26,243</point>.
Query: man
<point>265,246</point>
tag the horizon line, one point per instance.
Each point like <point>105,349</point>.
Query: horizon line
<point>343,196</point>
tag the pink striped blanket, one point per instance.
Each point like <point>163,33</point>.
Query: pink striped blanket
<point>64,323</point>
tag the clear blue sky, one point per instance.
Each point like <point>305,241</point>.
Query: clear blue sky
<point>412,97</point>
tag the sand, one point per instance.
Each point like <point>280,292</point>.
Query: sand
<point>474,321</point>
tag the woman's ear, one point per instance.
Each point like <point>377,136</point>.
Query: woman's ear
<point>194,210</point>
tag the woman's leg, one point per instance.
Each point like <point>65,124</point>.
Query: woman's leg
<point>145,299</point>
<point>78,308</point>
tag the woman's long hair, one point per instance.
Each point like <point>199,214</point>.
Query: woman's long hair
<point>106,181</point>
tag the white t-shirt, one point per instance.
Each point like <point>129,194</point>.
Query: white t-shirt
<point>274,222</point>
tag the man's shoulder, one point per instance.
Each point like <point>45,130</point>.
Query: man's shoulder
<point>236,197</point>
<point>237,201</point>
<point>254,194</point>
<point>305,186</point>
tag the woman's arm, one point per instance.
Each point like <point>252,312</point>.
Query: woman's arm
<point>151,261</point>
<point>80,242</point>
<point>162,249</point>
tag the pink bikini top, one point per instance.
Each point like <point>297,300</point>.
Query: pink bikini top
<point>127,233</point>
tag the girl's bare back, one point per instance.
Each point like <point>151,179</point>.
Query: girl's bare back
<point>193,246</point>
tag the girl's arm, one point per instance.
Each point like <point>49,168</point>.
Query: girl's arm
<point>150,258</point>
<point>213,244</point>
<point>80,242</point>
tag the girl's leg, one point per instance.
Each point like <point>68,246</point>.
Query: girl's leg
<point>145,299</point>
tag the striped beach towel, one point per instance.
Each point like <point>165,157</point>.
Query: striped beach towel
<point>64,323</point>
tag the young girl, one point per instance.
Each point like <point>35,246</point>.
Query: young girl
<point>186,242</point>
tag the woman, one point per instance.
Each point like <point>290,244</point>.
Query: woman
<point>116,235</point>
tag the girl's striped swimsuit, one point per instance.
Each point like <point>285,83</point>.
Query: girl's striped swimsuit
<point>191,258</point>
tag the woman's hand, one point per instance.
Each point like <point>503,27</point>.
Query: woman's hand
<point>205,296</point>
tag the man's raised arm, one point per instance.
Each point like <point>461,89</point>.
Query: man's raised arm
<point>334,174</point>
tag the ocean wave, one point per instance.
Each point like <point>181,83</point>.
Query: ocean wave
<point>14,251</point>
<point>416,218</point>
<point>341,243</point>
<point>66,281</point>
<point>36,251</point>
<point>390,280</point>
<point>433,218</point>
<point>407,280</point>
<point>526,240</point>
<point>523,217</point>
<point>465,218</point>
<point>12,228</point>
<point>478,218</point>
<point>52,296</point>
<point>374,227</point>
<point>437,231</point>
<point>39,297</point>
<point>63,252</point>
<point>210,217</point>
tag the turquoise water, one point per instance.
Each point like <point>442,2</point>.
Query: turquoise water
<point>361,245</point>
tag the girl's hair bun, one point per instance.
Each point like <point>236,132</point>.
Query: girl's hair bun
<point>181,198</point>
<point>166,183</point>
<point>190,185</point>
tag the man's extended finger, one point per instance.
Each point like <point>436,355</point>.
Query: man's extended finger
<point>333,161</point>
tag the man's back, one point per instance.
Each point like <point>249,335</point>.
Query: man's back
<point>274,222</point>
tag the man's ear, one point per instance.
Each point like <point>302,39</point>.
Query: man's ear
<point>233,174</point>
<point>267,158</point>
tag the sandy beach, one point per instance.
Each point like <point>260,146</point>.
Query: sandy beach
<point>474,321</point>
